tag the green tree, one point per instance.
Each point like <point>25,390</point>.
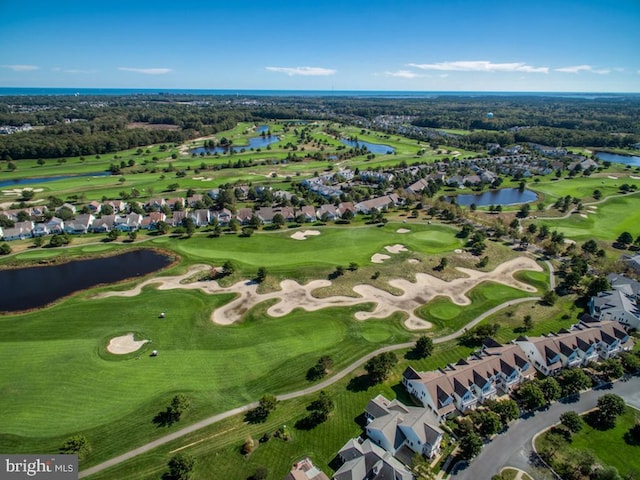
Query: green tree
<point>113,234</point>
<point>531,396</point>
<point>487,422</point>
<point>611,368</point>
<point>527,322</point>
<point>424,346</point>
<point>78,444</point>
<point>228,267</point>
<point>573,380</point>
<point>590,246</point>
<point>470,446</point>
<point>625,238</point>
<point>353,266</point>
<point>189,225</point>
<point>380,366</point>
<point>5,248</point>
<point>133,235</point>
<point>278,220</point>
<point>261,275</point>
<point>181,466</point>
<point>550,389</point>
<point>572,421</point>
<point>506,409</point>
<point>162,227</point>
<point>610,406</point>
<point>549,298</point>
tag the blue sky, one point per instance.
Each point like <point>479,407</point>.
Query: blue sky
<point>421,45</point>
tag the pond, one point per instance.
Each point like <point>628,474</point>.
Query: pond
<point>504,196</point>
<point>28,181</point>
<point>375,148</point>
<point>33,287</point>
<point>615,158</point>
<point>255,142</point>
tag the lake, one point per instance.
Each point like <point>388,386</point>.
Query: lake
<point>375,148</point>
<point>255,142</point>
<point>613,157</point>
<point>25,181</point>
<point>504,196</point>
<point>33,287</point>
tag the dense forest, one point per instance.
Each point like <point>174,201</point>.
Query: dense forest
<point>71,126</point>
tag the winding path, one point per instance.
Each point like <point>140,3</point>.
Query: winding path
<point>288,396</point>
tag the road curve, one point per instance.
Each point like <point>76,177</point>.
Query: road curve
<point>288,396</point>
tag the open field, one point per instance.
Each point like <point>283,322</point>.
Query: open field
<point>611,218</point>
<point>608,446</point>
<point>116,397</point>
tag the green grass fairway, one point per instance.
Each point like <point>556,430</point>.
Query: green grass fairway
<point>613,217</point>
<point>582,187</point>
<point>448,317</point>
<point>334,245</point>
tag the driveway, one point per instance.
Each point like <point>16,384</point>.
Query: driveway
<point>513,447</point>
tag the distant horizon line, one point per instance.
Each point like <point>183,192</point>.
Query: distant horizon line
<point>331,92</point>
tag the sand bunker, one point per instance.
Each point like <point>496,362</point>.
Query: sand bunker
<point>403,230</point>
<point>457,250</point>
<point>379,258</point>
<point>634,177</point>
<point>294,295</point>
<point>583,215</point>
<point>16,192</point>
<point>612,177</point>
<point>397,248</point>
<point>124,344</point>
<point>413,260</point>
<point>303,234</point>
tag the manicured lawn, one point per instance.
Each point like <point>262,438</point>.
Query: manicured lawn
<point>334,245</point>
<point>609,446</point>
<point>612,217</point>
<point>449,317</point>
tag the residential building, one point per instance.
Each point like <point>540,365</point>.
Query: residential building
<point>496,369</point>
<point>395,426</point>
<point>579,345</point>
<point>305,470</point>
<point>364,460</point>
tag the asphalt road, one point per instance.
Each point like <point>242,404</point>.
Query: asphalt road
<point>513,447</point>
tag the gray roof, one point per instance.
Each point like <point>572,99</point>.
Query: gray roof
<point>362,459</point>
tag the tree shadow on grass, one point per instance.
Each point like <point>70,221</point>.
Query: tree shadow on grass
<point>412,355</point>
<point>360,383</point>
<point>164,419</point>
<point>598,422</point>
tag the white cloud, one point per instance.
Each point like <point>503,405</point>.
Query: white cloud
<point>305,71</point>
<point>583,68</point>
<point>72,70</point>
<point>480,66</point>
<point>402,74</point>
<point>147,71</point>
<point>21,68</point>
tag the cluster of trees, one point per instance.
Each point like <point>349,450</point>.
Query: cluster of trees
<point>174,411</point>
<point>379,367</point>
<point>320,369</point>
<point>319,411</point>
<point>574,464</point>
<point>259,414</point>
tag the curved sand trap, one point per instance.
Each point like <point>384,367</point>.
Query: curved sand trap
<point>294,295</point>
<point>403,230</point>
<point>413,260</point>
<point>379,258</point>
<point>397,248</point>
<point>124,344</point>
<point>458,250</point>
<point>634,177</point>
<point>612,177</point>
<point>303,234</point>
